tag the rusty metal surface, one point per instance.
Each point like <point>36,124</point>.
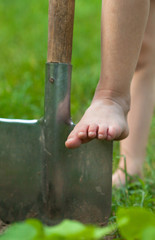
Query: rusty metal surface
<point>40,177</point>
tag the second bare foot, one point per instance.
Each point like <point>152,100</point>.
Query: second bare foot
<point>133,168</point>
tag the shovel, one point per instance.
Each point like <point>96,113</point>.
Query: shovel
<point>39,176</point>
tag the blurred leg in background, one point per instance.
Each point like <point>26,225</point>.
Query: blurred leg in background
<point>142,105</point>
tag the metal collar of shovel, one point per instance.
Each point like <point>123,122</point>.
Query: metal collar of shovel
<point>39,176</point>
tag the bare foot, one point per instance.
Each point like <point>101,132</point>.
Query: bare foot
<point>105,119</point>
<point>119,179</point>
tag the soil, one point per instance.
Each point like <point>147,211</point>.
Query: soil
<point>3,226</point>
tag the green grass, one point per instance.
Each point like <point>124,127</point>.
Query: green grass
<point>23,44</point>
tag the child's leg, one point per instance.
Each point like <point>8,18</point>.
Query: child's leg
<point>142,104</point>
<point>123,26</point>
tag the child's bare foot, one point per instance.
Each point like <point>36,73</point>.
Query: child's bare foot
<point>133,169</point>
<point>104,119</point>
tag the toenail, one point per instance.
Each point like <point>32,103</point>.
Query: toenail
<point>91,134</point>
<point>70,139</point>
<point>100,136</point>
<point>81,133</point>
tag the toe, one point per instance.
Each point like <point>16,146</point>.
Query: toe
<point>102,132</point>
<point>124,134</point>
<point>83,131</point>
<point>76,137</point>
<point>113,132</point>
<point>73,142</point>
<point>92,130</point>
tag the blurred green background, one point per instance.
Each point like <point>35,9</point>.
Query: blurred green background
<point>23,41</point>
<point>23,51</point>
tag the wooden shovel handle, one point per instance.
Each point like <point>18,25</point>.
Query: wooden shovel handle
<point>60,30</point>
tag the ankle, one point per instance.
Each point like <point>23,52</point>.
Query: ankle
<point>133,166</point>
<point>123,99</point>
